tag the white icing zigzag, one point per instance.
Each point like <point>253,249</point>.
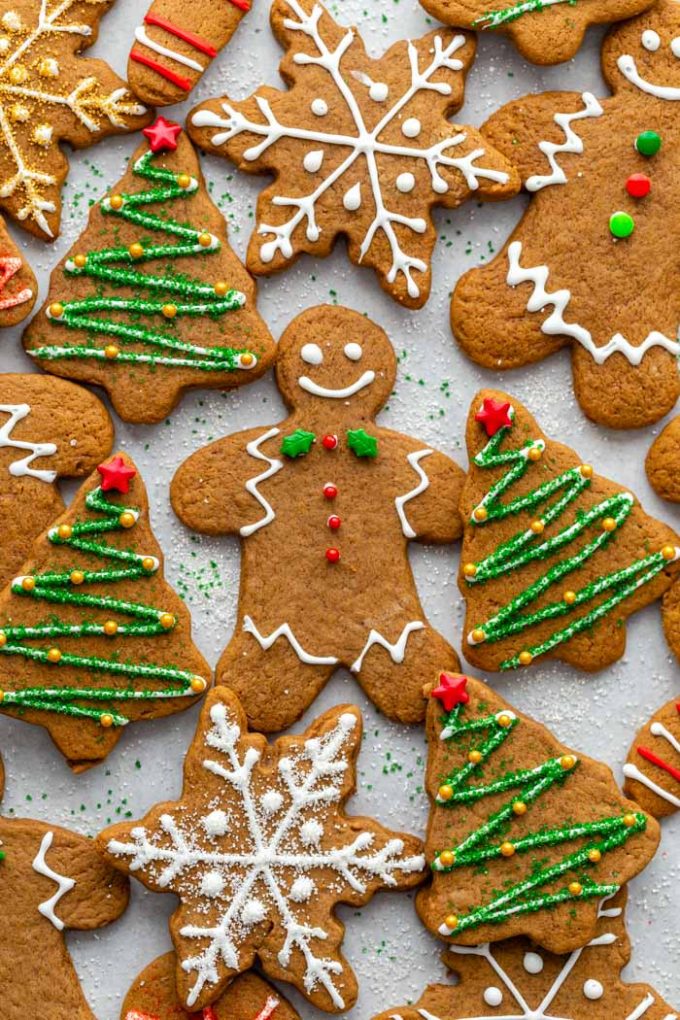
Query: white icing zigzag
<point>396,650</point>
<point>65,885</point>
<point>21,468</point>
<point>424,483</point>
<point>274,466</point>
<point>285,631</point>
<point>572,143</point>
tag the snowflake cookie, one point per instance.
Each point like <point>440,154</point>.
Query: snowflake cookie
<point>653,768</point>
<point>259,851</point>
<point>525,836</point>
<point>49,94</point>
<point>516,980</point>
<point>588,264</point>
<point>358,147</point>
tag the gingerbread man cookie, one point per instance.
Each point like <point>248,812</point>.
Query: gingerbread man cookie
<point>358,147</point>
<point>584,265</point>
<point>49,429</point>
<point>51,880</point>
<point>653,768</point>
<point>326,503</point>
<point>259,851</point>
<point>525,836</point>
<point>18,286</point>
<point>663,462</point>
<point>91,635</point>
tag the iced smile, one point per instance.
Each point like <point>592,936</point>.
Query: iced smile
<point>628,68</point>
<point>310,386</point>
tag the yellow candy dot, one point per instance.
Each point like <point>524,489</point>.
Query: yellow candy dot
<point>221,288</point>
<point>183,180</point>
<point>198,684</point>
<point>519,807</point>
<point>478,635</point>
<point>56,310</point>
<point>116,202</point>
<point>148,563</point>
<point>575,888</point>
<point>110,627</point>
<point>3,639</point>
<point>535,453</point>
<point>586,470</point>
<point>447,858</point>
<point>106,720</point>
<point>445,792</point>
<point>609,524</point>
<point>569,597</point>
<point>594,856</point>
<point>451,922</point>
<point>111,352</point>
<point>629,821</point>
<point>205,239</point>
<point>668,552</point>
<point>53,655</point>
<point>247,360</point>
<point>77,577</point>
<point>166,620</point>
<point>136,250</point>
<point>28,583</point>
<point>126,519</point>
<point>538,527</point>
<point>567,761</point>
<point>80,261</point>
<point>169,311</point>
<point>469,570</point>
<point>507,850</point>
<point>504,720</point>
<point>480,513</point>
<point>525,658</point>
<point>475,757</point>
<point>64,531</point>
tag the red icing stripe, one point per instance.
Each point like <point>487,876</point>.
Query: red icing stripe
<point>243,5</point>
<point>655,760</point>
<point>209,1013</point>
<point>182,33</point>
<point>270,1007</point>
<point>176,79</point>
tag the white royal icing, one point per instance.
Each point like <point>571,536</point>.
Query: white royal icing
<point>593,989</point>
<point>651,40</point>
<point>353,351</point>
<point>400,502</point>
<point>631,771</point>
<point>274,466</point>
<point>65,885</point>
<point>533,963</point>
<point>285,631</point>
<point>396,650</point>
<point>312,354</point>
<point>22,468</point>
<point>142,36</point>
<point>659,730</point>
<point>628,68</point>
<point>572,143</point>
<point>307,384</point>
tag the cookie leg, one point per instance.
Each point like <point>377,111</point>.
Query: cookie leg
<point>273,684</point>
<point>396,687</point>
<point>621,395</point>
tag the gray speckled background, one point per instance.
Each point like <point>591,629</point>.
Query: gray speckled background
<point>392,954</point>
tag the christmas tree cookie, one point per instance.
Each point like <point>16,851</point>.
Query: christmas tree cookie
<point>525,836</point>
<point>555,557</point>
<point>18,287</point>
<point>91,635</point>
<point>259,851</point>
<point>516,980</point>
<point>584,266</point>
<point>358,147</point>
<point>653,768</point>
<point>49,95</point>
<point>51,881</point>
<point>49,429</point>
<point>325,504</point>
<point>152,300</point>
<point>153,996</point>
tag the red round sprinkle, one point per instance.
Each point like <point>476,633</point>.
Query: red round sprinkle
<point>330,442</point>
<point>332,555</point>
<point>638,185</point>
<point>334,522</point>
<point>330,491</point>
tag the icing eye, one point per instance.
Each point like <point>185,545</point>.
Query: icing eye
<point>312,354</point>
<point>353,352</point>
<point>650,40</point>
<point>675,46</point>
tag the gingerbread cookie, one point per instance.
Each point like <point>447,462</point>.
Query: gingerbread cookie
<point>148,335</point>
<point>525,836</point>
<point>544,31</point>
<point>91,635</point>
<point>358,147</point>
<point>51,880</point>
<point>49,429</point>
<point>18,286</point>
<point>259,851</point>
<point>176,43</point>
<point>516,980</point>
<point>153,996</point>
<point>602,176</point>
<point>653,768</point>
<point>663,463</point>
<point>326,503</point>
<point>555,557</point>
<point>49,94</point>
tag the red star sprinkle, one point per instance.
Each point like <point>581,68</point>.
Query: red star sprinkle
<point>494,415</point>
<point>116,475</point>
<point>451,690</point>
<point>162,135</point>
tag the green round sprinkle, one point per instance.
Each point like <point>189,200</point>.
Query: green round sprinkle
<point>621,224</point>
<point>648,143</point>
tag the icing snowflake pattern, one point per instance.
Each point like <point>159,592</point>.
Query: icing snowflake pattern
<point>263,852</point>
<point>330,157</point>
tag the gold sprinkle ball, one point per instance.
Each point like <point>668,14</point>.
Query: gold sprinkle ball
<point>469,570</point>
<point>247,359</point>
<point>183,180</point>
<point>445,792</point>
<point>80,261</point>
<point>504,720</point>
<point>447,858</point>
<point>519,807</point>
<point>148,563</point>
<point>525,658</point>
<point>668,552</point>
<point>127,519</point>
<point>56,310</point>
<point>110,627</point>
<point>135,250</point>
<point>169,311</point>
<point>575,888</point>
<point>567,761</point>
<point>64,531</point>
<point>535,453</point>
<point>480,513</point>
<point>629,821</point>
<point>76,577</point>
<point>205,239</point>
<point>28,583</point>
<point>198,684</point>
<point>569,597</point>
<point>538,527</point>
<point>166,620</point>
<point>53,655</point>
<point>474,757</point>
<point>221,288</point>
<point>507,850</point>
<point>116,202</point>
<point>3,638</point>
<point>106,720</point>
<point>594,856</point>
<point>451,922</point>
<point>111,352</point>
<point>586,470</point>
<point>609,524</point>
<point>478,635</point>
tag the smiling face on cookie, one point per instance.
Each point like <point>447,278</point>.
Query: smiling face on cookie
<point>643,55</point>
<point>331,359</point>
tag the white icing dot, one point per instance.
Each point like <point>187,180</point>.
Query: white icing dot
<point>253,912</point>
<point>493,996</point>
<point>405,183</point>
<point>4,44</point>
<point>675,46</point>
<point>312,354</point>
<point>592,989</point>
<point>352,199</point>
<point>311,832</point>
<point>411,128</point>
<point>302,889</point>
<point>353,352</point>
<point>11,21</point>
<point>650,40</point>
<point>313,161</point>
<point>379,91</point>
<point>216,823</point>
<point>212,884</point>
<point>271,801</point>
<point>533,963</point>
<point>319,107</point>
<point>42,134</point>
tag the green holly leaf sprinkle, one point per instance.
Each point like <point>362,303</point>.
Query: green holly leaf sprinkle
<point>298,443</point>
<point>361,443</point>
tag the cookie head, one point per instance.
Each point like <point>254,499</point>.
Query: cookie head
<point>643,55</point>
<point>334,358</point>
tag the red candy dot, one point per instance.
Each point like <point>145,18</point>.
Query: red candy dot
<point>330,491</point>
<point>334,522</point>
<point>638,185</point>
<point>332,555</point>
<point>330,442</point>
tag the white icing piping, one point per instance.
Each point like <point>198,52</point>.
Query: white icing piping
<point>22,468</point>
<point>253,448</point>
<point>659,730</point>
<point>631,771</point>
<point>424,483</point>
<point>285,631</point>
<point>396,651</point>
<point>572,143</point>
<point>628,68</point>
<point>307,384</point>
<point>47,907</point>
<point>142,36</point>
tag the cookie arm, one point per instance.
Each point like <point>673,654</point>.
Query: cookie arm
<point>428,506</point>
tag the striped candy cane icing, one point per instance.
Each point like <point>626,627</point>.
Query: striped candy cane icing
<point>631,771</point>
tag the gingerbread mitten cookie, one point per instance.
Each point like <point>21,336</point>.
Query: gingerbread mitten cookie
<point>515,980</point>
<point>603,179</point>
<point>91,635</point>
<point>555,557</point>
<point>259,851</point>
<point>663,463</point>
<point>48,95</point>
<point>176,43</point>
<point>49,429</point>
<point>18,286</point>
<point>653,768</point>
<point>54,880</point>
<point>147,335</point>
<point>326,503</point>
<point>360,148</point>
<point>525,836</point>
